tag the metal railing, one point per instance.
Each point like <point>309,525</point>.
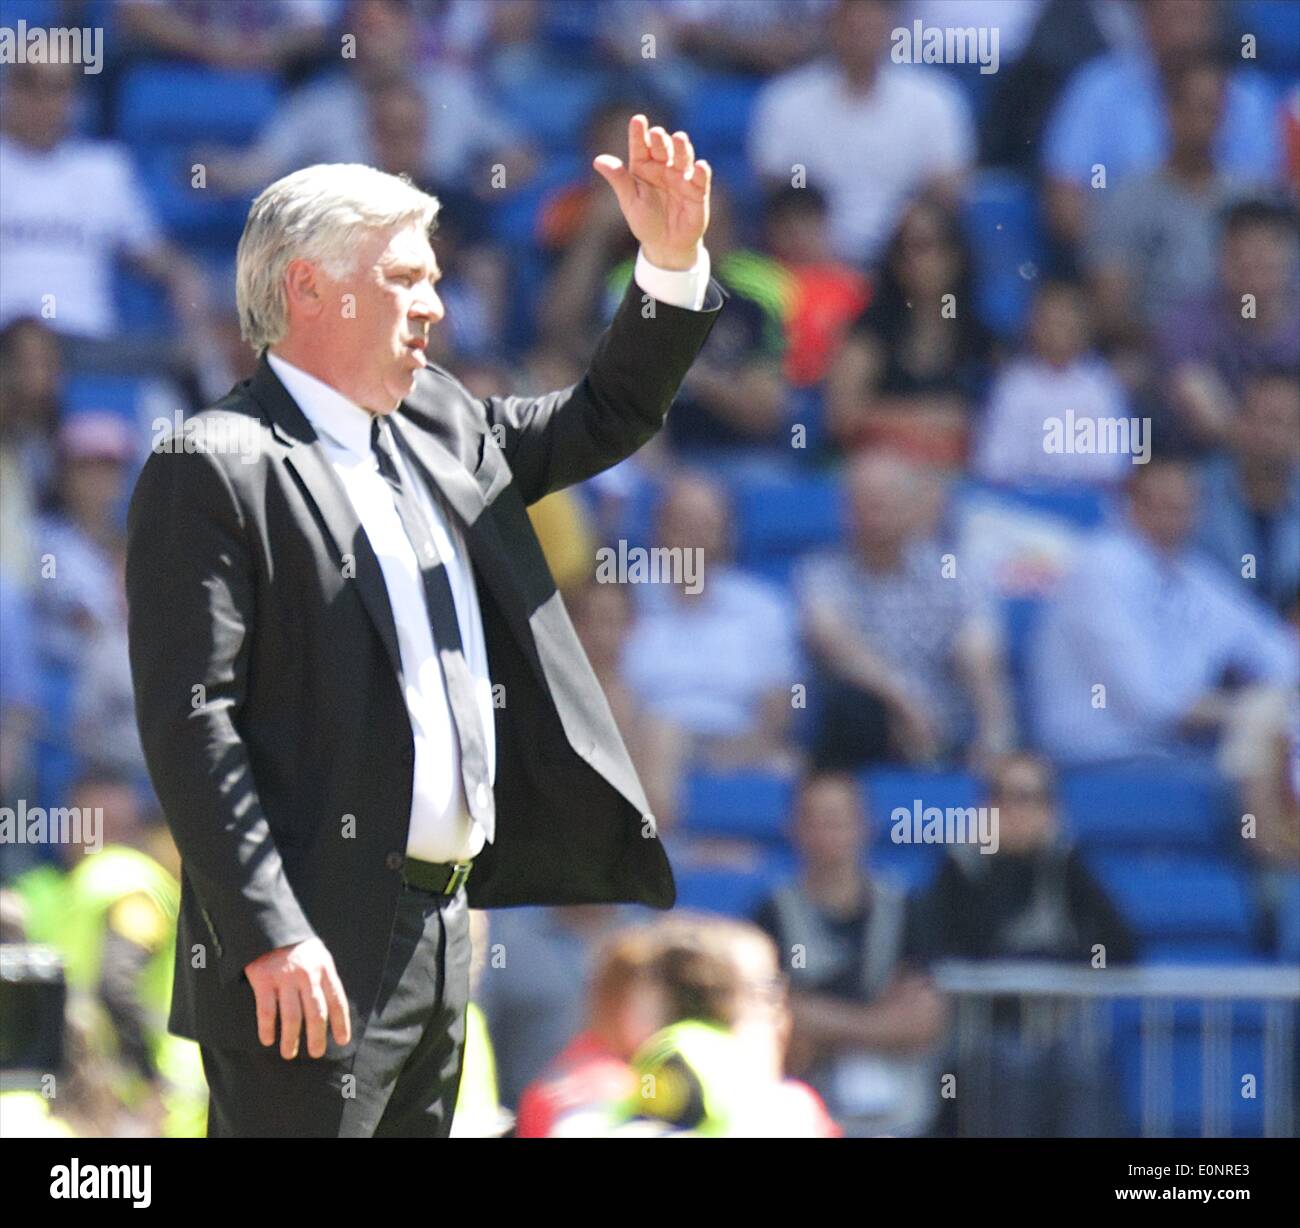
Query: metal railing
<point>1065,1003</point>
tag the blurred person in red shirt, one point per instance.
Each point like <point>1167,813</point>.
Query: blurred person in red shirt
<point>716,1069</point>
<point>825,294</point>
<point>700,969</point>
<point>594,1070</point>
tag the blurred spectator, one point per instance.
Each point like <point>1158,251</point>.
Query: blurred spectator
<point>20,713</point>
<point>908,647</point>
<point>577,1092</point>
<point>261,35</point>
<point>103,706</point>
<point>734,393</point>
<point>589,240</point>
<point>326,120</point>
<point>1147,648</point>
<point>746,36</point>
<point>913,364</point>
<point>532,987</point>
<point>864,1011</point>
<point>868,132</point>
<point>1013,19</point>
<point>561,524</point>
<point>1065,35</point>
<point>715,1070</point>
<point>1057,373</point>
<point>473,286</point>
<point>1249,322</point>
<point>1111,116</point>
<point>1250,496</point>
<point>111,913</point>
<point>1155,235</point>
<point>713,650</point>
<point>602,617</point>
<point>565,211</point>
<point>68,206</point>
<point>81,546</point>
<point>30,380</point>
<point>824,294</point>
<point>1033,899</point>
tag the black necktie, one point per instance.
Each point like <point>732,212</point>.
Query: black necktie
<point>446,630</point>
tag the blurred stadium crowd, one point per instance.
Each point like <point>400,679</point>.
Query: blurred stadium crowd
<point>909,597</point>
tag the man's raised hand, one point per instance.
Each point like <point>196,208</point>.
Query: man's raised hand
<point>663,191</point>
<point>299,983</point>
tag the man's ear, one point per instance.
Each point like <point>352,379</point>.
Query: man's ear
<point>302,287</point>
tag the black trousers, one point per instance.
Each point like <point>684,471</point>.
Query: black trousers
<point>400,1082</point>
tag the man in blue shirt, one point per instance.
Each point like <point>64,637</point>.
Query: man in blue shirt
<point>1112,115</point>
<point>1147,648</point>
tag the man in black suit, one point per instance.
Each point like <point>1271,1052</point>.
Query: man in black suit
<point>362,703</point>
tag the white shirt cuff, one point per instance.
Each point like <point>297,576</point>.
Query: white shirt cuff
<point>676,287</point>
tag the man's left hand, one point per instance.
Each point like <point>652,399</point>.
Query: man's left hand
<point>663,192</point>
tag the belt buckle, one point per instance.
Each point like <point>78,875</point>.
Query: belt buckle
<point>459,873</point>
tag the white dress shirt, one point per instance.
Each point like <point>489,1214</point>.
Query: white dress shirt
<point>441,829</point>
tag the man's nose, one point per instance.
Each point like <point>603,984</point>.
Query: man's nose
<point>427,306</point>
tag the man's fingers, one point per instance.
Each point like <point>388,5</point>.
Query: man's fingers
<point>661,146</point>
<point>614,173</point>
<point>701,180</point>
<point>317,1012</point>
<point>266,1011</point>
<point>683,154</point>
<point>290,1021</point>
<point>337,1000</point>
<point>638,143</point>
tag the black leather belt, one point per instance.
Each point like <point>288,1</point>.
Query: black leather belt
<point>439,878</point>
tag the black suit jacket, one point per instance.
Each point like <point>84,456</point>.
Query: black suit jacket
<point>266,669</point>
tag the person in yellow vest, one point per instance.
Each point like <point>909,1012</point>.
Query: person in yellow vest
<point>111,913</point>
<point>716,1069</point>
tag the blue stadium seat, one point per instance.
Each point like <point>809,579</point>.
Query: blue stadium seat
<point>181,103</point>
<point>889,788</point>
<point>115,394</point>
<point>717,114</point>
<point>1288,922</point>
<point>515,217</point>
<point>1166,896</point>
<point>734,893</point>
<point>143,309</point>
<point>196,216</point>
<point>733,171</point>
<point>1000,216</point>
<point>1243,1117</point>
<point>550,100</point>
<point>912,866</point>
<point>741,805</point>
<point>886,789</point>
<point>1180,807</point>
<point>33,12</point>
<point>780,519</point>
<point>1274,28</point>
<point>1231,950</point>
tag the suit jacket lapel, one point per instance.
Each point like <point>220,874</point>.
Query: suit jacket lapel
<point>487,550</point>
<point>306,457</point>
